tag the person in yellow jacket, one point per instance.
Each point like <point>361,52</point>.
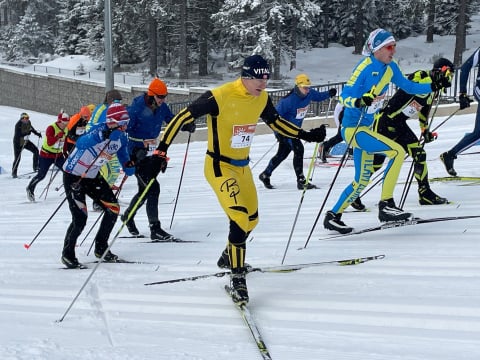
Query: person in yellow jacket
<point>233,110</point>
<point>51,151</point>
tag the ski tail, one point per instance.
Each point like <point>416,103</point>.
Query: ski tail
<point>252,326</point>
<point>295,267</point>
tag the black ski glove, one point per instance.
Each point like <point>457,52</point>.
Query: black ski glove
<point>314,135</point>
<point>365,101</point>
<point>159,162</point>
<point>106,133</point>
<point>428,136</point>
<point>190,127</point>
<point>464,101</point>
<point>440,80</point>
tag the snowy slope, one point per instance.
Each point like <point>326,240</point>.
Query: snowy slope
<point>420,302</point>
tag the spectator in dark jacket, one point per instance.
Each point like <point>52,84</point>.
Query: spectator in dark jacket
<point>23,129</point>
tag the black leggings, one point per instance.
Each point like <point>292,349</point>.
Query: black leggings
<point>285,146</point>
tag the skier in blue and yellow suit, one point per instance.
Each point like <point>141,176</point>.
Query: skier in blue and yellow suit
<point>233,111</point>
<point>362,97</point>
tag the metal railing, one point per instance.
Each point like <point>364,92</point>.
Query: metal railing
<point>316,108</point>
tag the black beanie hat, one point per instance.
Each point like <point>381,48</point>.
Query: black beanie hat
<point>255,67</point>
<point>441,62</point>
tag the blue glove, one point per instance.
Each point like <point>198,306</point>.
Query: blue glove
<point>129,168</point>
<point>129,171</point>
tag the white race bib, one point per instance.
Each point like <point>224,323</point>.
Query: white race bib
<point>103,158</point>
<point>377,104</point>
<point>301,113</point>
<point>243,135</point>
<point>150,145</point>
<point>412,109</point>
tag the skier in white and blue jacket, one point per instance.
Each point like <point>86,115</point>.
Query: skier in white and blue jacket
<point>294,107</point>
<point>82,177</point>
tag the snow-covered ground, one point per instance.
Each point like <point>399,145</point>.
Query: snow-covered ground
<point>420,302</point>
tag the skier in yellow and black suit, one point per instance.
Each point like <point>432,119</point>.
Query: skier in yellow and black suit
<point>392,123</point>
<point>233,111</point>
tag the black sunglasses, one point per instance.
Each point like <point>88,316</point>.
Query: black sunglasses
<point>161,96</point>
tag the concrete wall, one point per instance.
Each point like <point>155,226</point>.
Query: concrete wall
<point>49,93</point>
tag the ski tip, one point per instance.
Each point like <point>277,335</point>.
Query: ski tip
<point>26,246</point>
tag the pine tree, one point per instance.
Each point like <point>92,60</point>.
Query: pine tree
<point>28,39</point>
<point>72,28</point>
<point>446,12</point>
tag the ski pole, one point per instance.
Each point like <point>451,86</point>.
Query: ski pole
<point>107,250</point>
<point>27,246</point>
<point>300,203</point>
<point>265,154</point>
<point>314,156</point>
<point>342,160</point>
<point>117,193</point>
<point>411,172</point>
<point>52,177</point>
<point>410,175</point>
<point>444,121</point>
<point>181,178</point>
<point>309,175</point>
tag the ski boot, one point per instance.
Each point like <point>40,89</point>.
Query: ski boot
<point>332,222</point>
<point>30,194</point>
<point>238,284</point>
<point>303,184</point>
<point>130,224</point>
<point>109,256</point>
<point>71,262</point>
<point>158,234</point>
<point>358,205</point>
<point>388,211</point>
<point>447,160</point>
<point>265,179</point>
<point>427,197</point>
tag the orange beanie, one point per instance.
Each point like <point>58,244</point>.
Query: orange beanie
<point>85,112</point>
<point>157,87</point>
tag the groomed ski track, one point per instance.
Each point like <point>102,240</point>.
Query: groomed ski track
<point>420,302</point>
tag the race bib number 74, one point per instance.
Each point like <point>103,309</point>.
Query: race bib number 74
<point>243,135</point>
